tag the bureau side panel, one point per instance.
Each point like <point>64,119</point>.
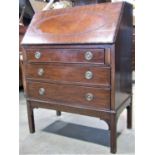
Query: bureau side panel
<point>123,48</point>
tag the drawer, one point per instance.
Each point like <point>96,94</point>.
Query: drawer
<point>66,55</point>
<point>69,94</point>
<point>95,75</point>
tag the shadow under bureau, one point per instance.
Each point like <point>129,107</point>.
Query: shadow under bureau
<point>78,60</point>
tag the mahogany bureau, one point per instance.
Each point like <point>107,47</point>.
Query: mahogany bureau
<point>78,60</point>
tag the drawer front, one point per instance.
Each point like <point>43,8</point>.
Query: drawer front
<point>66,55</point>
<point>95,75</point>
<point>69,94</point>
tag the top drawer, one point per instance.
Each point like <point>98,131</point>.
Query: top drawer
<point>66,55</point>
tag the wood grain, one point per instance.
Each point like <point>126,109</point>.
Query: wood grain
<point>70,94</point>
<point>63,37</point>
<point>66,55</point>
<point>69,73</point>
<point>79,25</point>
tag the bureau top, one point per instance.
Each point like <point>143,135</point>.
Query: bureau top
<point>79,25</point>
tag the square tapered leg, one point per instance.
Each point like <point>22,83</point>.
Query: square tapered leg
<point>113,134</point>
<point>58,113</point>
<point>30,118</point>
<point>129,116</point>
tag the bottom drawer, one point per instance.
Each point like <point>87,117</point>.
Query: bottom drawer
<point>69,94</point>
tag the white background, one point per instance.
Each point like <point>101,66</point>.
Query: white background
<point>145,77</point>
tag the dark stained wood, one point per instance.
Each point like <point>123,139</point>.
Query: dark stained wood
<point>68,94</point>
<point>66,46</point>
<point>107,56</point>
<point>58,113</point>
<point>66,55</point>
<point>129,115</point>
<point>124,105</point>
<point>113,74</point>
<point>83,110</point>
<point>83,25</point>
<point>123,70</point>
<point>63,37</point>
<point>133,49</point>
<point>69,73</point>
<point>30,118</point>
<point>20,74</point>
<point>113,133</point>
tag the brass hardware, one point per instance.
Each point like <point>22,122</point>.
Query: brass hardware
<point>88,55</point>
<point>40,71</point>
<point>88,75</point>
<point>37,55</point>
<point>41,91</point>
<point>89,96</point>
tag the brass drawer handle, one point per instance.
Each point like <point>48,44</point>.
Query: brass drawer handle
<point>40,71</point>
<point>37,55</point>
<point>88,75</point>
<point>89,96</point>
<point>41,91</point>
<point>88,55</point>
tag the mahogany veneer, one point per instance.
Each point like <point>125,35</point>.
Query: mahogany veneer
<point>78,60</point>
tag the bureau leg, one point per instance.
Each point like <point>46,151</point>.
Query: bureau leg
<point>58,113</point>
<point>113,134</point>
<point>129,116</point>
<point>30,118</point>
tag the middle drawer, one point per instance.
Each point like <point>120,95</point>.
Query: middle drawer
<point>85,74</point>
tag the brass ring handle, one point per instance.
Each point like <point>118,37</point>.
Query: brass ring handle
<point>88,55</point>
<point>40,71</point>
<point>89,96</point>
<point>88,75</point>
<point>37,55</point>
<point>41,91</point>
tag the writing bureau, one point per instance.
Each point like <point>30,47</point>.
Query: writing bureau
<point>78,60</point>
